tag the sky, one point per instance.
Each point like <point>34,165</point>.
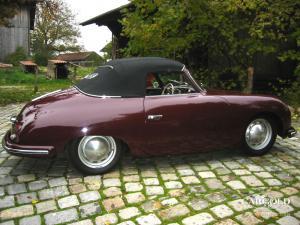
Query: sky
<point>93,37</point>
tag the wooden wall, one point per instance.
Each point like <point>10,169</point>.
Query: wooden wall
<point>17,34</point>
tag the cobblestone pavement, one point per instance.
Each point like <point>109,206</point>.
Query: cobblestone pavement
<point>224,187</point>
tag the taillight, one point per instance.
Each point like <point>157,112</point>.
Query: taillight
<point>17,126</point>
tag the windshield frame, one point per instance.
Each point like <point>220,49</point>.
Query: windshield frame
<point>192,80</point>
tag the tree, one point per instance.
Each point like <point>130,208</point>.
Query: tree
<point>156,28</point>
<point>55,30</point>
<point>9,9</point>
<point>107,50</point>
<point>279,22</point>
<point>17,56</point>
<point>229,34</point>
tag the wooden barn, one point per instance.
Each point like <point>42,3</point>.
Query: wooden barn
<point>57,69</point>
<point>111,19</point>
<point>29,66</point>
<point>81,58</point>
<point>17,33</point>
<point>5,66</point>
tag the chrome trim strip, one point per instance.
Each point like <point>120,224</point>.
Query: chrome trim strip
<point>109,66</point>
<point>174,95</point>
<point>191,78</point>
<point>44,95</point>
<point>24,151</point>
<point>97,96</point>
<point>154,117</point>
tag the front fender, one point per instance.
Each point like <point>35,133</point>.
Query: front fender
<point>249,107</point>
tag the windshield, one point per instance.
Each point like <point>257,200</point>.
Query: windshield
<point>168,82</point>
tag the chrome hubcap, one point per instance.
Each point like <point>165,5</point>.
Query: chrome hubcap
<point>96,151</point>
<point>258,134</point>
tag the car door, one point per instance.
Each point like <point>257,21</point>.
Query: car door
<point>182,118</point>
<point>183,123</point>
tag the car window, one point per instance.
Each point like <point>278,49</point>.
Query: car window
<point>167,83</point>
<point>171,77</point>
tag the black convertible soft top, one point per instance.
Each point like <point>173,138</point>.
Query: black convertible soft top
<point>125,77</point>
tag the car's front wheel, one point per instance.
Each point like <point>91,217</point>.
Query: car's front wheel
<point>95,154</point>
<point>260,136</point>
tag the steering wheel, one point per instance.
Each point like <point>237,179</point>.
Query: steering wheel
<point>168,89</point>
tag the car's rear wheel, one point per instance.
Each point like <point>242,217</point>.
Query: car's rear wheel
<point>260,136</point>
<point>95,154</point>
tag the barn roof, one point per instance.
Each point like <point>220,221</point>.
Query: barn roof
<point>74,56</point>
<point>107,17</point>
<point>4,65</point>
<point>111,19</point>
<point>28,63</point>
<point>56,61</point>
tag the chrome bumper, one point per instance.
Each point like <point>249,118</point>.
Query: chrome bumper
<point>291,132</point>
<point>23,150</point>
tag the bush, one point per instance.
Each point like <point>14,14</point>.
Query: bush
<point>292,94</point>
<point>228,80</point>
<point>16,57</point>
<point>288,91</point>
<point>41,58</point>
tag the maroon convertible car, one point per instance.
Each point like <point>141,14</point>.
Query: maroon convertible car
<point>152,106</point>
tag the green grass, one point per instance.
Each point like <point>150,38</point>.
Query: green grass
<point>15,76</point>
<point>17,86</point>
<point>83,71</point>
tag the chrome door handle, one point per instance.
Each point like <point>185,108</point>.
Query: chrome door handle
<point>154,117</point>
